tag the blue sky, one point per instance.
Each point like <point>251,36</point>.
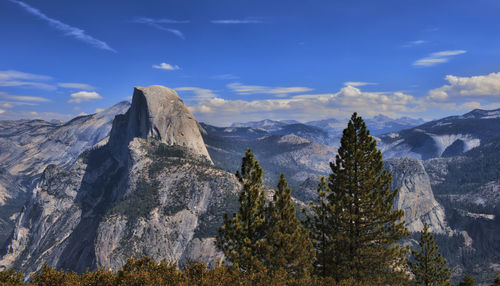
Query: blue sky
<point>249,60</point>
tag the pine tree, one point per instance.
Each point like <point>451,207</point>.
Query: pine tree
<point>240,238</point>
<point>287,245</point>
<point>467,281</point>
<point>429,267</point>
<point>317,224</point>
<point>361,223</point>
<point>497,280</point>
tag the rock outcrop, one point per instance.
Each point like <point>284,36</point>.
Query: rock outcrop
<point>415,196</point>
<point>158,113</point>
<point>151,190</point>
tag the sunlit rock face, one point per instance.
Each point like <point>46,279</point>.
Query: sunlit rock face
<point>158,113</point>
<point>415,196</point>
<point>152,190</point>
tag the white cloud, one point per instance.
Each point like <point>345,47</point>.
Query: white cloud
<point>82,96</point>
<point>414,43</point>
<point>2,111</point>
<point>97,110</point>
<point>448,53</point>
<point>157,23</point>
<point>12,74</point>
<point>474,86</point>
<point>165,66</point>
<point>68,30</point>
<point>27,98</point>
<point>22,98</point>
<point>237,21</point>
<point>12,78</point>
<point>12,104</point>
<point>201,93</point>
<point>438,58</point>
<point>257,89</point>
<point>6,105</point>
<point>304,107</point>
<point>358,83</point>
<point>76,85</point>
<point>146,20</point>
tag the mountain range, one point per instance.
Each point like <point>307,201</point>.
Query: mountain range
<point>378,124</point>
<point>146,179</point>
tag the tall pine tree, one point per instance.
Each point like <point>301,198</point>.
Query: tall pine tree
<point>361,225</point>
<point>429,267</point>
<point>287,245</point>
<point>241,236</point>
<point>318,224</point>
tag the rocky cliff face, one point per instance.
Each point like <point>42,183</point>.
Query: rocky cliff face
<point>157,113</point>
<point>27,147</point>
<point>415,195</point>
<point>152,190</point>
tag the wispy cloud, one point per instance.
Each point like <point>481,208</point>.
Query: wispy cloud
<point>27,98</point>
<point>257,89</point>
<point>68,30</point>
<point>22,98</point>
<point>82,96</point>
<point>201,93</point>
<point>238,21</point>
<point>438,58</point>
<point>11,78</point>
<point>414,43</point>
<point>158,24</point>
<point>145,20</point>
<point>12,74</point>
<point>165,66</point>
<point>358,83</point>
<point>15,115</point>
<point>227,76</point>
<point>76,85</point>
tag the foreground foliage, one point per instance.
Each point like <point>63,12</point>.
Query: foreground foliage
<point>145,271</point>
<point>429,266</point>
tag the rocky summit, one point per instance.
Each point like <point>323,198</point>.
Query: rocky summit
<point>158,113</point>
<point>151,190</point>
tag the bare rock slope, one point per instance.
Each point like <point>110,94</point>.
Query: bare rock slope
<point>27,147</point>
<point>415,195</point>
<point>151,190</point>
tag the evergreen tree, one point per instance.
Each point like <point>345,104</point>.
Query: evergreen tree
<point>320,235</point>
<point>429,267</point>
<point>241,236</point>
<point>362,226</point>
<point>497,280</point>
<point>467,281</point>
<point>287,245</point>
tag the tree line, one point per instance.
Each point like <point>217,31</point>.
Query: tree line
<point>352,235</point>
